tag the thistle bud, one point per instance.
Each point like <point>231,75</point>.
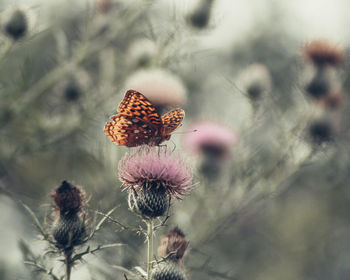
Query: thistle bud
<point>324,53</point>
<point>321,131</point>
<point>68,229</point>
<point>149,202</point>
<point>168,271</point>
<point>16,22</point>
<point>320,85</point>
<point>173,246</point>
<point>201,15</point>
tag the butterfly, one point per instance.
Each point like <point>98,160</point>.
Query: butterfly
<point>138,122</point>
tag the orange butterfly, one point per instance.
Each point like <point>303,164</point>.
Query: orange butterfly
<point>138,122</point>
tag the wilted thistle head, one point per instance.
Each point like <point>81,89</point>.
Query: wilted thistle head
<point>16,22</point>
<point>161,87</point>
<point>172,249</point>
<point>200,17</point>
<point>103,6</point>
<point>173,245</point>
<point>323,53</point>
<point>153,175</point>
<point>68,228</point>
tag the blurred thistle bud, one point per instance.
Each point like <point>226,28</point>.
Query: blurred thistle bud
<point>321,84</point>
<point>73,87</point>
<point>172,249</point>
<point>103,6</point>
<point>333,100</point>
<point>322,131</point>
<point>324,53</point>
<point>16,22</point>
<point>68,229</point>
<point>141,53</point>
<point>153,175</point>
<point>200,17</point>
<point>72,91</point>
<point>213,141</point>
<point>255,80</point>
<point>161,87</point>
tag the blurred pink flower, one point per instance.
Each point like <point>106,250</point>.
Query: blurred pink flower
<point>146,166</point>
<point>210,137</point>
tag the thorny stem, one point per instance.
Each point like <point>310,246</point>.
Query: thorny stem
<point>149,247</point>
<point>68,262</point>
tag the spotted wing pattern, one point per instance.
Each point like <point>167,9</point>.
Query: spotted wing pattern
<point>123,131</point>
<point>172,120</point>
<point>136,105</point>
<point>138,122</point>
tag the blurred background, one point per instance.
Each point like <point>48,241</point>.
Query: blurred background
<point>265,83</point>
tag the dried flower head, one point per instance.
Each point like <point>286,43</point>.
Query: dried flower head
<point>174,244</point>
<point>323,52</point>
<point>161,87</point>
<point>200,17</point>
<point>17,21</point>
<point>68,228</point>
<point>146,167</point>
<point>103,6</point>
<point>210,138</point>
<point>322,131</point>
<point>141,52</point>
<point>68,198</point>
<point>255,79</point>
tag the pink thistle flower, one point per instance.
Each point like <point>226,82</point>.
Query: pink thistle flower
<point>210,137</point>
<point>147,167</point>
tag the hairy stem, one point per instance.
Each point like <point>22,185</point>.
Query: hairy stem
<point>149,247</point>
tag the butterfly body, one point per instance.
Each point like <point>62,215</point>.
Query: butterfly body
<point>138,122</point>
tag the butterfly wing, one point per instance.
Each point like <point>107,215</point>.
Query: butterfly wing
<point>137,106</point>
<point>172,120</point>
<point>124,131</point>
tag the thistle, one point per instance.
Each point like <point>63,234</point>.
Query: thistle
<point>172,249</point>
<point>68,229</point>
<point>152,176</point>
<point>212,142</point>
<point>16,22</point>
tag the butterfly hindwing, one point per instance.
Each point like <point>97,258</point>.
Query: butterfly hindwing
<point>172,120</point>
<point>136,105</point>
<point>125,131</point>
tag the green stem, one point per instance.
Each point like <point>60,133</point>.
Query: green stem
<point>149,247</point>
<point>68,262</point>
<point>7,48</point>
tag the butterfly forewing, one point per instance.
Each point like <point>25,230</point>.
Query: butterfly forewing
<point>172,120</point>
<point>136,105</point>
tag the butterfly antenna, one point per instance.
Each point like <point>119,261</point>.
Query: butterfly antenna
<point>185,132</point>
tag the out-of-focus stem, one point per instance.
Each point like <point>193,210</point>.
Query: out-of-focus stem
<point>149,247</point>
